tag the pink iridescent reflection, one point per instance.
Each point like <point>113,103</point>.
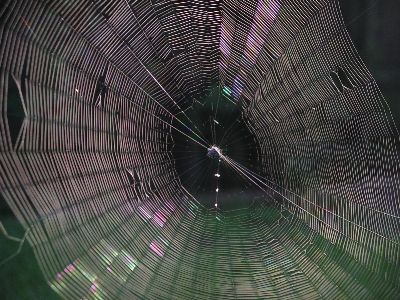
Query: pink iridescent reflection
<point>156,248</point>
<point>159,218</point>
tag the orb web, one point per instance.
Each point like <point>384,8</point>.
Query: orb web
<point>92,94</point>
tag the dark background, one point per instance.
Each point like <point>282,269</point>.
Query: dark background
<point>374,26</point>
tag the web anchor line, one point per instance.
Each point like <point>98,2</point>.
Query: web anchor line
<point>20,241</point>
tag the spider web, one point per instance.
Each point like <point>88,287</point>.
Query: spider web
<point>92,94</point>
